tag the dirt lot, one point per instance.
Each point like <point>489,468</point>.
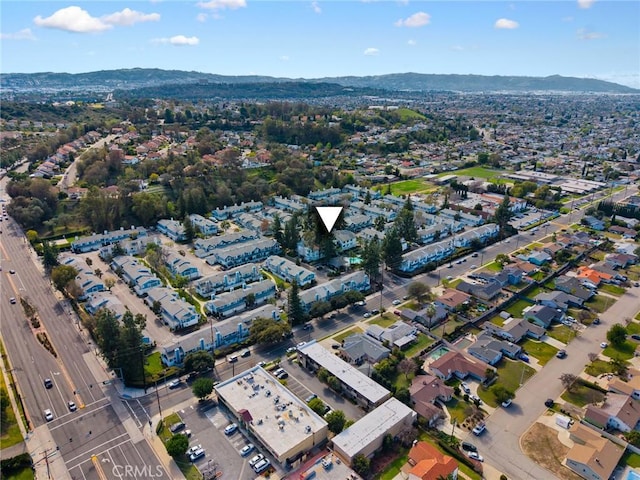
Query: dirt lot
<point>541,445</point>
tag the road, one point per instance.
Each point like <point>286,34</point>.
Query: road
<point>99,426</point>
<point>69,177</point>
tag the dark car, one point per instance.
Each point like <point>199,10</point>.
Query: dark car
<point>549,403</point>
<point>48,383</point>
<point>469,447</point>
<point>176,427</point>
<point>561,353</point>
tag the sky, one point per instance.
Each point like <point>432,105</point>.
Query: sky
<point>312,39</point>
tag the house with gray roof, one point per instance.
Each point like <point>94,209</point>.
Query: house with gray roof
<point>174,311</point>
<point>541,315</point>
<point>359,348</point>
<point>357,280</point>
<point>420,257</point>
<point>558,299</point>
<point>487,290</point>
<point>106,300</point>
<point>178,265</point>
<point>227,304</point>
<point>228,280</point>
<point>289,204</point>
<point>204,225</point>
<point>88,283</point>
<point>232,211</point>
<point>400,334</point>
<point>172,229</point>
<point>490,350</point>
<point>289,271</point>
<point>94,242</point>
<point>515,329</point>
<point>439,313</point>
<point>250,252</point>
<point>573,286</point>
<point>204,247</point>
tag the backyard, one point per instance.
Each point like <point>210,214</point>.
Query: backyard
<point>511,375</point>
<point>422,342</point>
<point>543,352</point>
<point>516,308</point>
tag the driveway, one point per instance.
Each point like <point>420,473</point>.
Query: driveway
<point>500,444</point>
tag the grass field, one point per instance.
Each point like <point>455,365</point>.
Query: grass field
<point>407,187</point>
<point>9,429</point>
<point>493,267</point>
<point>24,474</point>
<point>581,395</point>
<point>613,289</point>
<point>510,374</point>
<point>624,352</point>
<point>543,352</point>
<point>597,367</point>
<point>562,333</point>
<point>346,333</point>
<point>476,172</point>
<point>386,320</point>
<point>631,459</point>
<point>421,343</point>
<point>406,114</point>
<point>600,303</point>
<point>515,309</point>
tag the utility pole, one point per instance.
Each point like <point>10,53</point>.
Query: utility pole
<point>381,284</point>
<point>158,398</point>
<point>46,459</point>
<point>144,377</point>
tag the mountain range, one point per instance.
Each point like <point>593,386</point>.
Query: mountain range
<point>138,78</point>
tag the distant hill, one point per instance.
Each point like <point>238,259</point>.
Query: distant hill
<point>137,78</point>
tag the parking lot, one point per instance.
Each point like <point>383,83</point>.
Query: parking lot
<point>221,451</point>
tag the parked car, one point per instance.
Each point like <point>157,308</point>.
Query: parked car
<point>176,427</point>
<point>361,303</point>
<point>469,447</point>
<point>232,358</point>
<point>256,459</point>
<point>231,429</point>
<point>196,455</point>
<point>507,403</point>
<point>367,315</point>
<point>282,375</point>
<point>561,353</point>
<point>479,429</point>
<point>476,456</point>
<point>604,345</point>
<point>524,358</point>
<point>475,398</point>
<point>310,397</point>
<point>261,466</point>
<point>596,321</point>
<point>247,449</point>
<point>193,449</point>
<point>396,302</point>
<point>549,403</point>
<point>245,353</point>
<point>175,384</point>
<point>465,388</point>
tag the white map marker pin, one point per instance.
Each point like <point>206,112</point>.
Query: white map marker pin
<point>329,215</point>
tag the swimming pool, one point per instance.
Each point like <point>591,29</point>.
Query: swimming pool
<point>633,475</point>
<point>440,351</point>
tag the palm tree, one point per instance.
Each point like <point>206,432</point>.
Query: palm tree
<point>430,312</point>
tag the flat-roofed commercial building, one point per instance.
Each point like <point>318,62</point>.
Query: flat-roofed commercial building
<point>366,435</point>
<point>283,424</point>
<point>355,384</point>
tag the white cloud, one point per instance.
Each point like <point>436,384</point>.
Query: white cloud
<point>223,4</point>
<point>201,17</point>
<point>567,19</point>
<point>586,34</point>
<point>178,40</point>
<point>284,58</point>
<point>77,20</point>
<point>72,19</point>
<point>316,8</point>
<point>419,19</point>
<point>24,34</point>
<point>585,3</point>
<point>371,51</point>
<point>505,23</point>
<point>412,43</point>
<point>457,48</point>
<point>128,17</point>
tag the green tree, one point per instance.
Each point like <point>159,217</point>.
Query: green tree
<point>49,255</point>
<point>335,421</point>
<point>371,257</point>
<point>108,335</point>
<point>189,230</point>
<point>199,361</point>
<point>501,393</point>
<point>619,366</point>
<point>392,248</point>
<point>419,291</point>
<point>403,395</point>
<point>130,349</point>
<point>202,387</point>
<point>405,222</point>
<point>296,313</point>
<point>379,223</point>
<point>503,215</point>
<point>32,236</point>
<point>62,275</point>
<point>268,330</point>
<point>177,445</point>
<point>633,437</point>
<point>276,229</point>
<point>617,335</point>
<point>361,465</point>
<point>317,406</point>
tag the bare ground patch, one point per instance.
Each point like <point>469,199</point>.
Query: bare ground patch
<point>540,443</point>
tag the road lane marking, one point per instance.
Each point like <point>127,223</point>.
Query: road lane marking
<point>98,468</point>
<point>98,446</point>
<point>79,417</point>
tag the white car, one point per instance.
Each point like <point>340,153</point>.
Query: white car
<point>479,428</point>
<point>475,398</point>
<point>247,449</point>
<point>194,449</point>
<point>507,403</point>
<point>196,455</point>
<point>48,415</point>
<point>465,388</point>
<point>256,459</point>
<point>604,345</point>
<point>230,429</point>
<point>476,456</point>
<point>72,406</point>
<point>396,302</point>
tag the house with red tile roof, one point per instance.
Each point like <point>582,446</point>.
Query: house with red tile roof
<point>427,463</point>
<point>460,365</point>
